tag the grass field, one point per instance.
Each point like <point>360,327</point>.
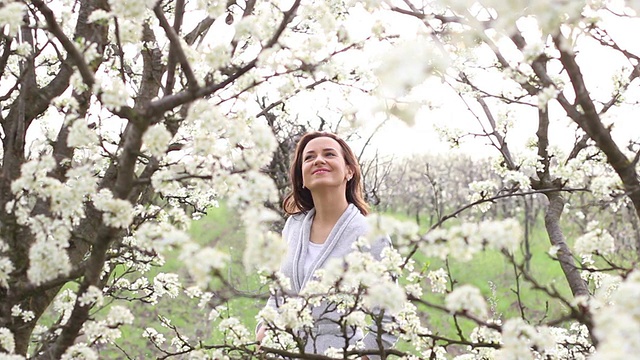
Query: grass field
<point>489,271</point>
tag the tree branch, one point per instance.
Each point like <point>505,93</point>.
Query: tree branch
<point>56,30</point>
<point>176,46</point>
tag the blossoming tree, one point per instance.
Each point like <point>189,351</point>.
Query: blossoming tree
<point>122,121</point>
<point>514,64</point>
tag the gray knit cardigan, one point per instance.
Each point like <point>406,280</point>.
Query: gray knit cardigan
<point>326,333</point>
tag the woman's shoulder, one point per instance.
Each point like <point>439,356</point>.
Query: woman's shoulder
<point>294,218</point>
<point>292,221</point>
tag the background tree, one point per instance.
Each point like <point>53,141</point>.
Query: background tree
<point>541,74</point>
<point>137,115</point>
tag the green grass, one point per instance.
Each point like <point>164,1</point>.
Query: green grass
<point>483,270</point>
<point>222,228</point>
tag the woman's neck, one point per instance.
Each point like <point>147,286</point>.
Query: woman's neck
<point>329,207</point>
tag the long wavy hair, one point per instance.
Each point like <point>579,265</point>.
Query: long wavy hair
<point>299,199</point>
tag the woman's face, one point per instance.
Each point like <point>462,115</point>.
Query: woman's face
<point>323,164</point>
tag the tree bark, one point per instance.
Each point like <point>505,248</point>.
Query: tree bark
<point>589,120</point>
<point>556,237</point>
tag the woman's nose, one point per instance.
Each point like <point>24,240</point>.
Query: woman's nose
<point>319,159</point>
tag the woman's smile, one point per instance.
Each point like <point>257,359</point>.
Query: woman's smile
<point>320,171</point>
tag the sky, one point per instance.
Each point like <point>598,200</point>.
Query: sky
<point>599,68</point>
<point>397,138</point>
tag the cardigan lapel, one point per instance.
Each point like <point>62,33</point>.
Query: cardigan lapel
<point>337,235</point>
<point>301,250</point>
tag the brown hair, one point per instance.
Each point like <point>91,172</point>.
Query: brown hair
<point>299,199</point>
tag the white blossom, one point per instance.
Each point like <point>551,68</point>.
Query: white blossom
<point>115,212</point>
<point>214,8</point>
<point>545,95</point>
<point>385,295</point>
<point>595,240</point>
<point>80,352</point>
<point>119,315</point>
<point>80,135</point>
<point>6,267</point>
<point>130,31</point>
<point>439,280</point>
<point>201,262</point>
<point>156,139</point>
<point>166,284</point>
<point>356,318</point>
<point>235,331</point>
<point>204,299</point>
<point>481,190</point>
<point>404,232</point>
<point>217,312</point>
<point>604,186</point>
<point>408,65</point>
<point>519,339</point>
<point>466,298</point>
<point>619,322</point>
<point>11,15</point>
<point>265,250</point>
<point>180,343</point>
<point>26,315</point>
<point>467,239</point>
<point>100,332</point>
<point>25,49</point>
<point>11,357</point>
<point>131,9</point>
<point>98,15</point>
<point>295,314</point>
<point>113,93</point>
<point>6,340</point>
<point>64,303</point>
<point>92,296</point>
<point>486,335</point>
<point>47,261</point>
<point>333,352</point>
<point>154,336</point>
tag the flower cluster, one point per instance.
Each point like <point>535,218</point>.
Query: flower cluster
<point>108,330</point>
<point>166,284</point>
<point>618,323</point>
<point>80,351</point>
<point>519,339</point>
<point>595,241</point>
<point>92,296</point>
<point>80,135</point>
<point>115,212</point>
<point>6,266</point>
<point>439,280</point>
<point>466,298</point>
<point>7,341</point>
<point>156,139</point>
<point>235,332</point>
<point>265,251</point>
<point>467,239</point>
<point>201,261</point>
<point>154,336</point>
<point>11,15</point>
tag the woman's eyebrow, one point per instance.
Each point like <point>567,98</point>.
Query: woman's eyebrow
<point>325,149</point>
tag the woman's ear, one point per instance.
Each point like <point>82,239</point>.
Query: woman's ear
<point>350,173</point>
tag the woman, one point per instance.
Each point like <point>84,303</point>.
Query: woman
<point>327,215</point>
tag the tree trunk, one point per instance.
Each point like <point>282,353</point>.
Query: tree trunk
<point>528,220</point>
<point>556,237</point>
